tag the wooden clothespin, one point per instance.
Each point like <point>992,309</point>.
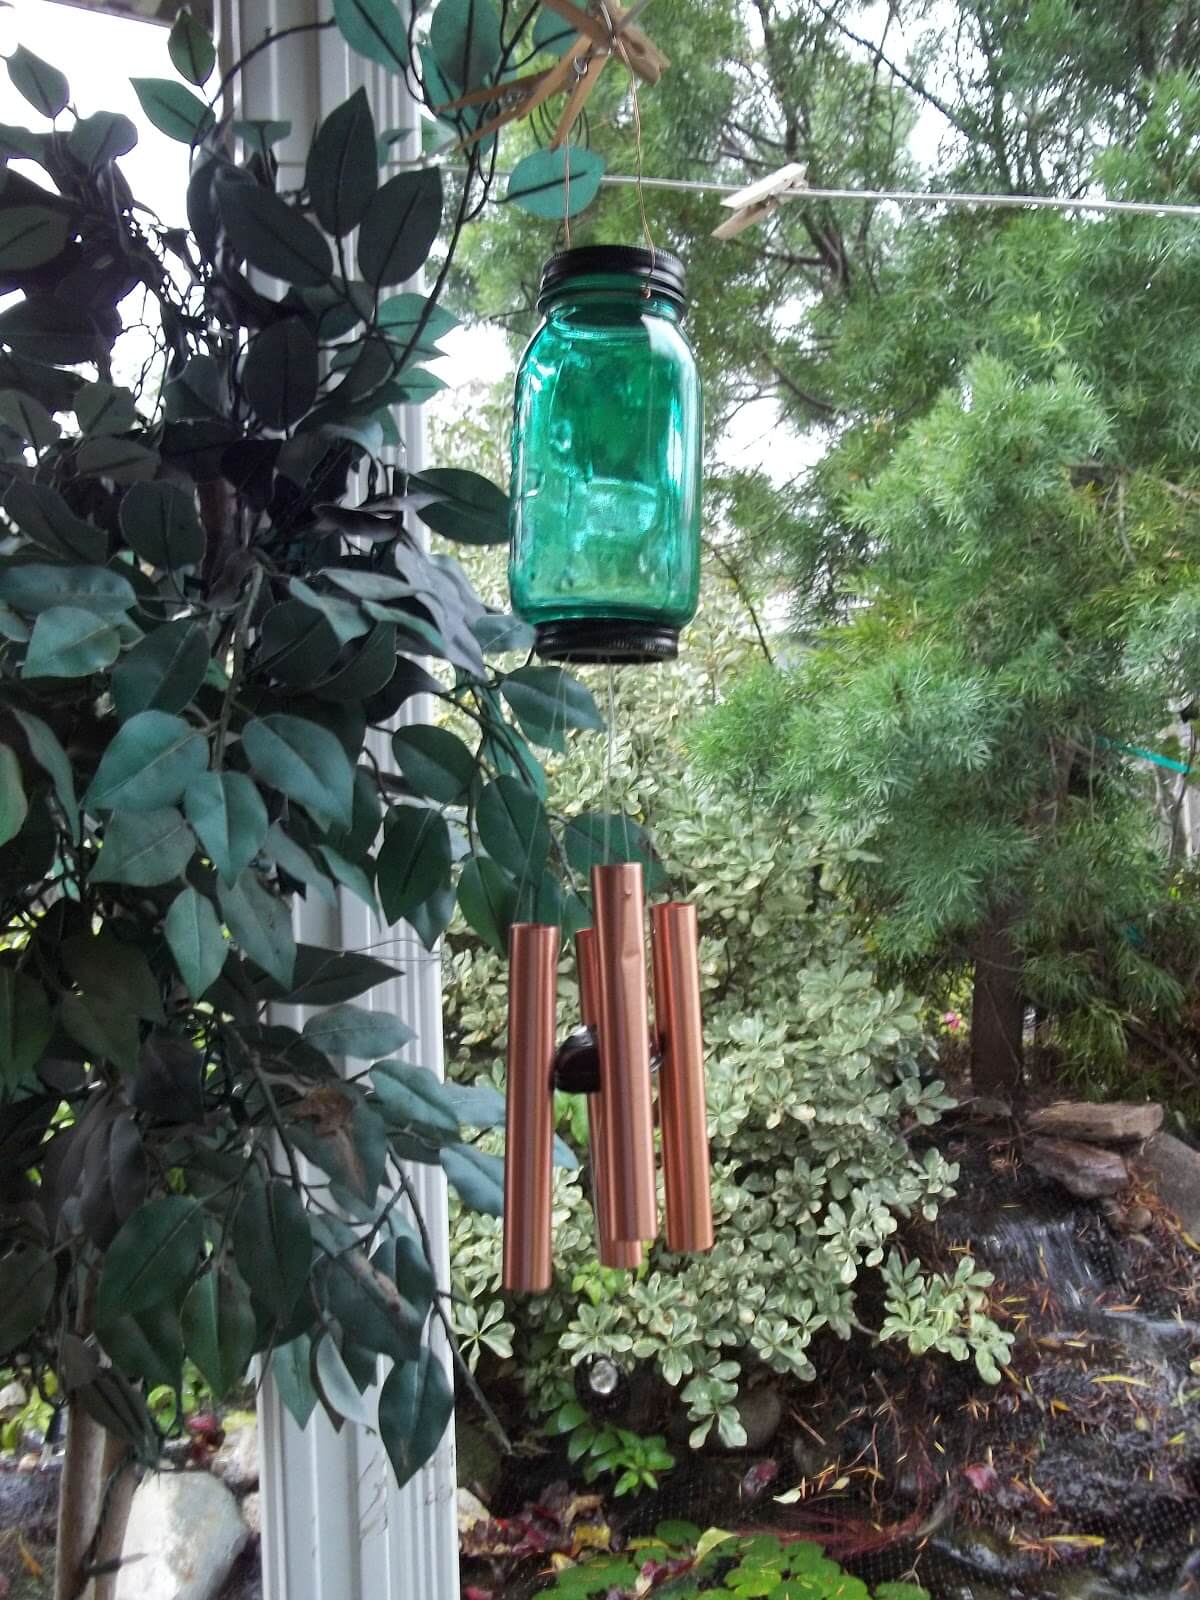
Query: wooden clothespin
<point>758,200</point>
<point>604,29</point>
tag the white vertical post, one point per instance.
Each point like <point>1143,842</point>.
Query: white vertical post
<point>335,1527</point>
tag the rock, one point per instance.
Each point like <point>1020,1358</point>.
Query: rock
<point>479,1461</point>
<point>1138,1218</point>
<point>760,1411</point>
<point>187,1530</point>
<point>29,1462</point>
<point>13,1399</point>
<point>236,1461</point>
<point>251,1509</point>
<point>1117,1123</point>
<point>1174,1169</point>
<point>471,1511</point>
<point>1083,1169</point>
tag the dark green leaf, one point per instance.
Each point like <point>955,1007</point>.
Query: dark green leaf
<point>230,820</point>
<point>195,940</point>
<point>46,518</point>
<point>273,236</point>
<point>105,966</point>
<point>326,977</point>
<point>149,763</point>
<point>279,374</point>
<point>291,1365</point>
<point>272,1245</point>
<point>413,860</point>
<point>31,236</point>
<point>350,876</point>
<point>14,807</point>
<point>431,918</point>
<point>547,701</point>
<point>106,1032</point>
<point>262,925</point>
<point>27,1279</point>
<point>305,762</point>
<point>102,408</point>
<point>465,38</point>
<point>364,670</point>
<point>218,1328</point>
<point>162,525</point>
<point>415,1406</point>
<point>553,33</point>
<point>49,754</point>
<point>144,848</point>
<point>26,1024</point>
<point>298,864</point>
<point>52,330</point>
<point>513,828</point>
<point>151,1258</point>
<point>499,633</point>
<point>163,671</point>
<point>36,586</point>
<point>27,417</point>
<point>597,838</point>
<point>469,509</point>
<point>375,29</point>
<point>478,1177</point>
<point>147,1347</point>
<point>436,763</point>
<point>174,110</point>
<point>69,643</point>
<point>101,138</point>
<point>488,898</point>
<point>342,173</point>
<point>16,142</point>
<point>345,619</point>
<point>354,1031</point>
<point>41,84</point>
<point>399,227</point>
<point>352,1145</point>
<point>192,51</point>
<point>414,1097</point>
<point>374,1315</point>
<point>401,315</point>
<point>297,645</point>
<point>122,460</point>
<point>259,136</point>
<point>538,182</point>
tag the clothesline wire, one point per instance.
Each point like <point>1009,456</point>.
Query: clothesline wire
<point>913,197</point>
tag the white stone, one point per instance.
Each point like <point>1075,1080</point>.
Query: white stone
<point>187,1531</point>
<point>236,1462</point>
<point>471,1511</point>
<point>13,1399</point>
<point>252,1513</point>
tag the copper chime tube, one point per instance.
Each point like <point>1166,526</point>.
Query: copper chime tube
<point>613,1252</point>
<point>529,1118</point>
<point>628,1185</point>
<point>682,1108</point>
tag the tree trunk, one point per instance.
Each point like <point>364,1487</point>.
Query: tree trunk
<point>98,1480</point>
<point>997,1012</point>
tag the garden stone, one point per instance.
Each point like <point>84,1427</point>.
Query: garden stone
<point>251,1509</point>
<point>1083,1169</point>
<point>471,1511</point>
<point>1174,1169</point>
<point>760,1411</point>
<point>187,1531</point>
<point>13,1400</point>
<point>1117,1123</point>
<point>236,1461</point>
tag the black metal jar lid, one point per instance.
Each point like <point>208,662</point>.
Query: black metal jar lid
<point>659,269</point>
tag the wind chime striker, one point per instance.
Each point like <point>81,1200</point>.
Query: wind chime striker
<point>611,1058</point>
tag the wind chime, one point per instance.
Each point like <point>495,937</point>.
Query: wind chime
<point>605,563</point>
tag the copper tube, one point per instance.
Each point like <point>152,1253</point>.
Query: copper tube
<point>628,1186</point>
<point>682,1109</point>
<point>529,1118</point>
<point>613,1252</point>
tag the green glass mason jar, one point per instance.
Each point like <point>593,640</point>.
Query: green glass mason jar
<point>606,478</point>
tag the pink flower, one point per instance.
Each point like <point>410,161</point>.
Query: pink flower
<point>952,1020</point>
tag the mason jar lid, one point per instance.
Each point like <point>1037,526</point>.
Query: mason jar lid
<point>658,270</point>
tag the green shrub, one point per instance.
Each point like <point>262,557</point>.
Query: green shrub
<point>815,1080</point>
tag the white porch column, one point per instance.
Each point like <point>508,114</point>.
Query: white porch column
<point>335,1527</point>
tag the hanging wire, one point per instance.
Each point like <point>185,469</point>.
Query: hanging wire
<point>912,197</point>
<point>623,52</point>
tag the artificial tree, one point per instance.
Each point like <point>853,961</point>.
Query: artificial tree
<point>213,606</point>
